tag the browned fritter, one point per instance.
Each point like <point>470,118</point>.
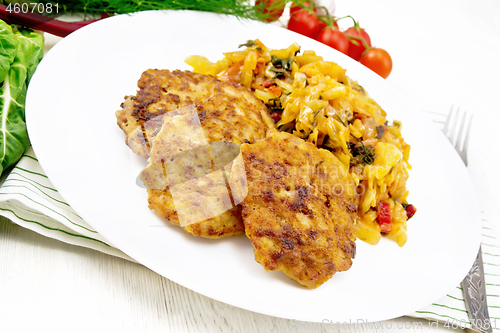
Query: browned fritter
<point>182,168</point>
<point>227,113</point>
<point>300,210</point>
<point>227,224</point>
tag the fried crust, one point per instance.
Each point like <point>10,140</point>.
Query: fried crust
<point>227,113</point>
<point>300,210</point>
<point>227,224</point>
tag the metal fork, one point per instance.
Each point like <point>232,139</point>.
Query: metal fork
<point>473,286</point>
<point>450,129</point>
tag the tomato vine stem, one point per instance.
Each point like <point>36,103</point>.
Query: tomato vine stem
<point>356,39</point>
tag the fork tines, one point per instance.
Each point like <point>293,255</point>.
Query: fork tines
<point>450,127</point>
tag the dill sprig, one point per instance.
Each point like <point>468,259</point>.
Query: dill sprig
<point>240,8</point>
<point>305,136</point>
<point>361,154</point>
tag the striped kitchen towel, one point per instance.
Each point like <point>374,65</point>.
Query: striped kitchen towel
<point>28,198</point>
<point>450,310</point>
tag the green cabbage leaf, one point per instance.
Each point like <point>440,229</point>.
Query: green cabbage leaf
<point>29,51</point>
<point>8,48</point>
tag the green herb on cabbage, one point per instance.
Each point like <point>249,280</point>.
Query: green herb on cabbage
<point>20,53</point>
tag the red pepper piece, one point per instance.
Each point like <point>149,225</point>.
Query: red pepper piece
<point>267,83</point>
<point>384,216</point>
<point>410,211</point>
<point>275,90</point>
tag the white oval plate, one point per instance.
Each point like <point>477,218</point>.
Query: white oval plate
<point>70,113</point>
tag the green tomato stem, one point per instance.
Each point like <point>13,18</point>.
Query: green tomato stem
<point>301,4</point>
<point>356,39</point>
<point>325,18</point>
<point>341,18</point>
<point>355,23</point>
<point>329,19</point>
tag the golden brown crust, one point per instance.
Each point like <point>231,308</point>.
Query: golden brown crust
<point>227,113</point>
<point>161,91</point>
<point>300,209</point>
<point>227,224</point>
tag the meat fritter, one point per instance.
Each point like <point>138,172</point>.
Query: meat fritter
<point>179,149</point>
<point>300,210</point>
<point>226,224</point>
<point>226,112</point>
<point>184,184</point>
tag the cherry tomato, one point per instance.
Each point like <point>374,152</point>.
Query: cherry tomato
<point>270,10</point>
<point>321,10</point>
<point>356,46</point>
<point>307,5</point>
<point>334,38</point>
<point>305,22</point>
<point>295,7</point>
<point>323,25</point>
<point>378,60</point>
<point>335,24</point>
